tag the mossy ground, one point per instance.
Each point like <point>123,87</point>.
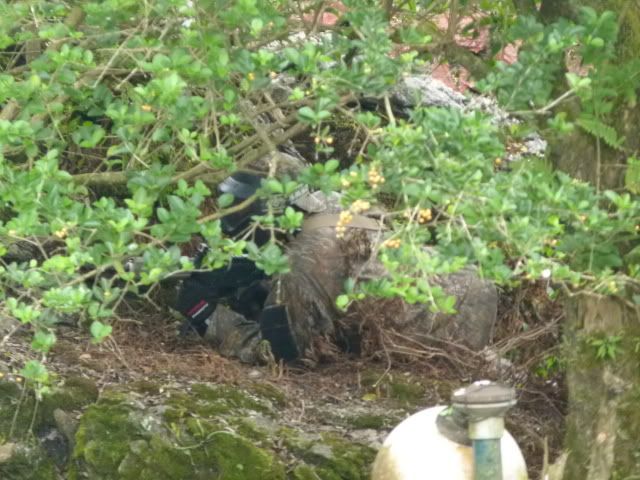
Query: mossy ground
<point>21,415</point>
<point>193,439</point>
<point>29,464</point>
<point>328,457</point>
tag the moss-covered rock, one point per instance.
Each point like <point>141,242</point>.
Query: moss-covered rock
<point>16,411</point>
<point>28,463</point>
<point>329,456</point>
<point>219,455</point>
<point>192,437</point>
<point>148,431</point>
<point>19,411</point>
<point>368,420</point>
<point>74,393</point>
<point>603,420</point>
<point>211,401</point>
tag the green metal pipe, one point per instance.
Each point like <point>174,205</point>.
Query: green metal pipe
<point>487,460</point>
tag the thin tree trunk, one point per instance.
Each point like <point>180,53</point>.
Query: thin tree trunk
<point>603,426</point>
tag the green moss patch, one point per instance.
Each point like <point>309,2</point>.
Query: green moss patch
<point>214,401</point>
<point>368,421</point>
<point>16,411</point>
<point>103,438</point>
<point>30,463</point>
<point>330,457</point>
<point>120,440</point>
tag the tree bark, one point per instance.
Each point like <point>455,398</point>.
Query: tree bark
<point>526,7</point>
<point>603,426</point>
<point>580,154</point>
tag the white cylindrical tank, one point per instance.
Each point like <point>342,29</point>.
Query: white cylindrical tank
<point>416,450</point>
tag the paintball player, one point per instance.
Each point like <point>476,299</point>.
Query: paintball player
<point>246,315</point>
<point>236,308</point>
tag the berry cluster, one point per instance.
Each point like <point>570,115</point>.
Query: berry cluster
<point>424,215</point>
<point>375,178</point>
<point>345,218</point>
<point>346,183</point>
<point>391,243</point>
<point>360,206</point>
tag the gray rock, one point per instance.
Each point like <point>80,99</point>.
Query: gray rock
<point>287,164</point>
<point>474,320</point>
<point>489,106</point>
<point>55,444</point>
<point>7,451</point>
<point>67,424</point>
<point>322,450</point>
<point>534,145</point>
<point>426,91</point>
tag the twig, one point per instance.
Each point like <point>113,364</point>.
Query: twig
<point>546,110</point>
<point>113,59</point>
<point>146,57</point>
<point>9,334</point>
<point>387,107</point>
<point>453,21</point>
<point>236,208</point>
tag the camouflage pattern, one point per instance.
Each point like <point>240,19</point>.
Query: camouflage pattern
<point>320,263</point>
<point>233,335</point>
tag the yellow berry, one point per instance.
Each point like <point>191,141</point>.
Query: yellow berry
<point>146,108</point>
<point>329,140</point>
<point>62,233</point>
<point>251,76</point>
<point>425,214</point>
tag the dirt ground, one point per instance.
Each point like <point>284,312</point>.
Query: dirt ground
<point>146,347</point>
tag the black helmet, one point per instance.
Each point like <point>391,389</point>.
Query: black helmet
<point>241,185</point>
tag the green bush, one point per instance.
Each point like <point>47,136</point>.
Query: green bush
<point>120,116</point>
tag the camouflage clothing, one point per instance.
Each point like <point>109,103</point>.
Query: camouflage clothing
<point>320,263</point>
<point>233,335</point>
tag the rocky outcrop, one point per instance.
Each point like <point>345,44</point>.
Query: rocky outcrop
<point>145,431</point>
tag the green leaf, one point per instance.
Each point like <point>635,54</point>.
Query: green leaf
<point>342,302</point>
<point>306,114</point>
<point>601,130</point>
<point>35,371</point>
<point>43,341</point>
<point>225,200</point>
<point>331,166</point>
<point>99,331</point>
<point>274,186</point>
<point>632,175</point>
